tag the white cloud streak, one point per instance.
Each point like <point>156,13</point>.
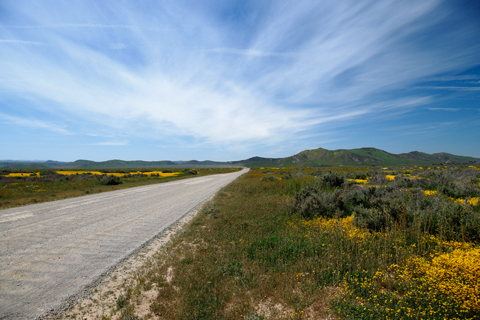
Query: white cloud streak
<point>33,124</point>
<point>111,143</point>
<point>22,42</point>
<point>453,88</point>
<point>249,52</point>
<point>82,25</point>
<point>445,109</point>
<point>187,74</point>
<point>117,46</point>
<point>457,78</point>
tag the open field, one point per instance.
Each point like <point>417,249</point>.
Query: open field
<point>51,252</point>
<point>23,187</point>
<point>390,243</point>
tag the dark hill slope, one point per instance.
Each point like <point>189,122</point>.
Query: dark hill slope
<point>369,156</point>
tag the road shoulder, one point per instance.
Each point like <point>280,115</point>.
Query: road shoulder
<point>99,300</point>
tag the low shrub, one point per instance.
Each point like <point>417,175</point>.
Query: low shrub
<point>44,173</point>
<point>386,207</point>
<point>332,180</point>
<point>269,178</point>
<point>190,171</point>
<point>210,208</point>
<point>110,180</point>
<point>311,203</point>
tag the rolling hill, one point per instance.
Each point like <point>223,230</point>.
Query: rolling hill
<point>307,158</point>
<point>370,156</point>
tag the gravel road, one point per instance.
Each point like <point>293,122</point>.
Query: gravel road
<point>51,252</point>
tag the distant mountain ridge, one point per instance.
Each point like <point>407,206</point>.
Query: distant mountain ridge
<point>307,158</point>
<point>371,156</point>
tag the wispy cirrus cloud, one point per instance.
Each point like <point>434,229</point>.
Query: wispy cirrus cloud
<point>248,52</point>
<point>117,46</point>
<point>21,42</point>
<point>421,129</point>
<point>453,88</point>
<point>445,109</point>
<point>34,124</point>
<point>81,25</point>
<point>111,143</point>
<point>456,78</point>
<point>203,75</point>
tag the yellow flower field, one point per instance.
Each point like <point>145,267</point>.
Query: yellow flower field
<point>119,174</point>
<point>455,274</point>
<point>74,172</point>
<point>358,180</point>
<point>471,201</point>
<point>344,225</point>
<point>21,174</point>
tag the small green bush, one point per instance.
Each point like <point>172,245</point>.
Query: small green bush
<point>386,207</point>
<point>44,173</point>
<point>110,180</point>
<point>332,180</point>
<point>269,178</point>
<point>311,203</point>
<point>372,218</point>
<point>210,208</point>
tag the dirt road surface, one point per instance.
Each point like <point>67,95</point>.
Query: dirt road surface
<point>53,252</point>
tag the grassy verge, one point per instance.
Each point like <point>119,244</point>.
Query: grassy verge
<point>261,251</point>
<point>23,190</point>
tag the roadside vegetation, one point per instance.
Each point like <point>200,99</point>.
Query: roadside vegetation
<point>329,243</point>
<point>23,187</point>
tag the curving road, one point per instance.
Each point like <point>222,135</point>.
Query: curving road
<point>52,251</point>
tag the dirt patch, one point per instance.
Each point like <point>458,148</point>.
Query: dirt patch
<point>271,310</point>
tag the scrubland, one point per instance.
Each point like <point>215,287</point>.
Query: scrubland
<point>329,243</point>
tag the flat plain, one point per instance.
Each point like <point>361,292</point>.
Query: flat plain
<point>53,251</point>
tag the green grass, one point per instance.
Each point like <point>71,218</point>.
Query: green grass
<point>249,255</point>
<point>15,192</point>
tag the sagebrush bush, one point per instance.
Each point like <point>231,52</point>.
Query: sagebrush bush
<point>386,207</point>
<point>44,173</point>
<point>190,171</point>
<point>110,180</point>
<point>332,180</point>
<point>310,203</point>
<point>372,218</point>
<point>269,178</point>
<point>456,183</point>
<point>210,208</point>
<point>357,175</point>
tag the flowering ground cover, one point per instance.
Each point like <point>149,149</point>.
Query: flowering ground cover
<point>22,187</point>
<point>282,243</point>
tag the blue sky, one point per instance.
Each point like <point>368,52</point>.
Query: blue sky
<point>227,80</point>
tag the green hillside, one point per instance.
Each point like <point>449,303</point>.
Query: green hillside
<point>307,158</point>
<point>368,157</point>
